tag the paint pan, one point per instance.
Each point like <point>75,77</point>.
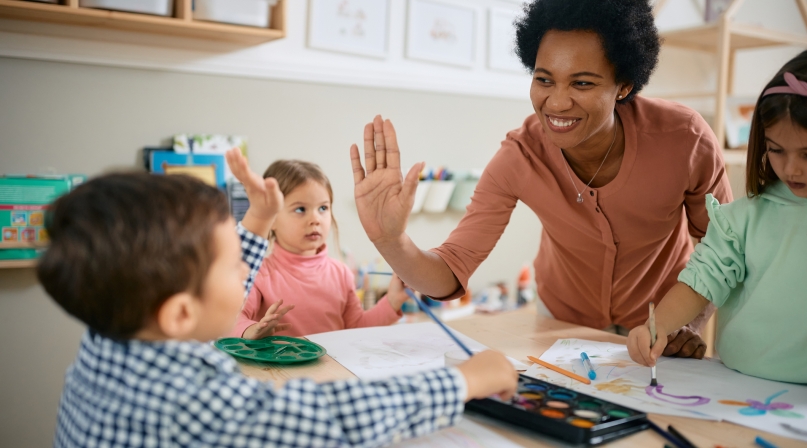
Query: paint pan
<point>562,413</point>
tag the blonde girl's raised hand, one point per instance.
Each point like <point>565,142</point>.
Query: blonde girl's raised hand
<point>396,293</point>
<point>270,324</point>
<point>383,197</point>
<point>265,198</point>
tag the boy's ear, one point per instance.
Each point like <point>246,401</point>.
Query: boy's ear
<point>179,316</point>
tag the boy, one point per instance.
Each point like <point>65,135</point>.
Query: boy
<point>151,264</point>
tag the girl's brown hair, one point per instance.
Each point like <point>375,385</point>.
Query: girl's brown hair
<point>770,110</point>
<point>290,174</point>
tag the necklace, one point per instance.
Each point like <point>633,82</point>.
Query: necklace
<point>566,165</point>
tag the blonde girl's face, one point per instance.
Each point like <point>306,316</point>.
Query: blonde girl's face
<point>303,225</point>
<point>787,154</point>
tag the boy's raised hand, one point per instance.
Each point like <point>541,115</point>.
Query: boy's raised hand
<point>489,373</point>
<point>639,345</point>
<point>270,324</point>
<point>265,198</point>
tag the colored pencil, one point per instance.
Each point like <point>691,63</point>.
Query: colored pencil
<point>423,307</point>
<point>549,366</point>
<point>379,273</point>
<point>677,443</point>
<point>763,443</point>
<point>678,434</point>
<point>653,381</point>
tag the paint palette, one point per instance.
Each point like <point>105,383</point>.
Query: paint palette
<point>562,413</point>
<point>274,349</point>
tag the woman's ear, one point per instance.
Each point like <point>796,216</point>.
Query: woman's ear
<point>623,91</point>
<point>179,316</point>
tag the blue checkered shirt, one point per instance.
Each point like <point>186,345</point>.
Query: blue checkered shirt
<point>183,393</point>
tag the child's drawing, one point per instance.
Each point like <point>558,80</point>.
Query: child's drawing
<point>680,400</point>
<point>754,407</point>
<point>687,387</point>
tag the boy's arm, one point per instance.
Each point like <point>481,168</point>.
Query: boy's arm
<point>253,249</point>
<point>265,199</point>
<point>342,413</point>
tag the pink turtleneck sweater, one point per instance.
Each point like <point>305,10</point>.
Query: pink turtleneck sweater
<point>321,289</point>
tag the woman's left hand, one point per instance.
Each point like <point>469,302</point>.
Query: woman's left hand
<point>685,343</point>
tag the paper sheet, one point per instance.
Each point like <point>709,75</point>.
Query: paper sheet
<point>686,387</point>
<point>466,434</point>
<point>381,352</point>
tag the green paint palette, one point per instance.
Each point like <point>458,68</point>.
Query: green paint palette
<point>274,349</point>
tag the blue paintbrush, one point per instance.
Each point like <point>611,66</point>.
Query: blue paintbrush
<point>423,307</point>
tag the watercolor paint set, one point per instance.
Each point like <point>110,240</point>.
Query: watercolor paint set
<point>562,413</point>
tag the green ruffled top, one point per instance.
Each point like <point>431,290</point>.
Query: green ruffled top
<point>752,264</point>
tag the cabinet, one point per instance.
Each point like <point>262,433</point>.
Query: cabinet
<point>180,24</point>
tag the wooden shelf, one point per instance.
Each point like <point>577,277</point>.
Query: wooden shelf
<point>724,37</point>
<point>17,264</point>
<point>743,37</point>
<point>182,25</point>
<point>21,245</point>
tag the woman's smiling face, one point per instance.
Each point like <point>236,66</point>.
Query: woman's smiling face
<point>574,89</point>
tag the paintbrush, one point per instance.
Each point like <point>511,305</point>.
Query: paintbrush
<point>425,308</point>
<point>652,323</point>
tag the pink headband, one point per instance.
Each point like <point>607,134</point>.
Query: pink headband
<point>793,87</point>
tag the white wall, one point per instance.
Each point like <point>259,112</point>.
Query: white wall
<point>88,102</point>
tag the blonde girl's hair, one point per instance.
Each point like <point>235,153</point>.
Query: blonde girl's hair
<point>290,174</point>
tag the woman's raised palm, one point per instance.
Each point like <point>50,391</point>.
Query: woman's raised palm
<point>383,197</point>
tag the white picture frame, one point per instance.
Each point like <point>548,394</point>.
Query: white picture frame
<point>441,32</point>
<point>502,41</point>
<point>359,27</point>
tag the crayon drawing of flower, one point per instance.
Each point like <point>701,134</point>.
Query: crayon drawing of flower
<point>754,408</point>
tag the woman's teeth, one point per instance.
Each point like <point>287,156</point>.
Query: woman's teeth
<point>561,123</point>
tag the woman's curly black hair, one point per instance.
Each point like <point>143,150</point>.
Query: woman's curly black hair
<point>626,27</point>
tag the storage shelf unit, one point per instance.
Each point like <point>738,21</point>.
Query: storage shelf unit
<point>181,24</point>
<point>724,37</point>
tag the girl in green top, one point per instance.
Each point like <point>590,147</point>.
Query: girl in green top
<point>752,263</point>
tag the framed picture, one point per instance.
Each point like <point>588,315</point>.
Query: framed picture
<point>441,32</point>
<point>349,26</point>
<point>502,41</point>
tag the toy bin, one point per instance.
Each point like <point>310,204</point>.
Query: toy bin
<point>154,7</point>
<point>239,12</point>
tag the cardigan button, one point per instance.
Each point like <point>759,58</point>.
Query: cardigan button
<point>591,192</point>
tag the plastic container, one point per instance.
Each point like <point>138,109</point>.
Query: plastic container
<point>155,7</point>
<point>420,195</point>
<point>239,12</point>
<point>438,196</point>
<point>466,184</point>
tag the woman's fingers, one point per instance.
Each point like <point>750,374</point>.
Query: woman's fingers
<point>379,129</point>
<point>369,148</point>
<point>355,162</point>
<point>410,184</point>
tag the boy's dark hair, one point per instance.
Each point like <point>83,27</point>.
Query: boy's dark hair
<point>770,110</point>
<point>626,28</point>
<point>121,244</point>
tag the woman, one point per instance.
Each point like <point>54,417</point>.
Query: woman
<point>617,180</point>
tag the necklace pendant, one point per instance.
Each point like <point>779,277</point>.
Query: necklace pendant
<point>579,198</point>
